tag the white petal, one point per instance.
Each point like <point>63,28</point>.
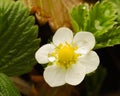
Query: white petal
<point>63,35</point>
<point>75,74</point>
<point>42,54</point>
<point>54,75</point>
<point>85,41</point>
<point>90,61</point>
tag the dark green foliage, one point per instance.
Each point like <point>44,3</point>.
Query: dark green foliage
<point>18,41</point>
<point>7,88</point>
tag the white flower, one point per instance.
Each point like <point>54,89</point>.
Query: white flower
<point>70,58</point>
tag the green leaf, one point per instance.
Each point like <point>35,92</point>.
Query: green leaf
<point>79,17</point>
<point>113,38</point>
<point>117,6</point>
<point>7,88</point>
<point>99,19</point>
<point>18,41</point>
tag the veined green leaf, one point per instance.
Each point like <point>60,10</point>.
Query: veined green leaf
<point>18,41</point>
<point>109,39</point>
<point>117,5</point>
<point>99,19</point>
<point>79,17</point>
<point>7,88</point>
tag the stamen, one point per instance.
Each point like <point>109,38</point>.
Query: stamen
<point>65,55</point>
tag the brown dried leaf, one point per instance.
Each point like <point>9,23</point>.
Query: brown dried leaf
<point>55,12</point>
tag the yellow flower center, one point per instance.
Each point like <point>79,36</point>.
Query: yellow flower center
<point>65,55</point>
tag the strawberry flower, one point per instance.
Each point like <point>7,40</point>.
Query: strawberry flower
<point>69,57</point>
